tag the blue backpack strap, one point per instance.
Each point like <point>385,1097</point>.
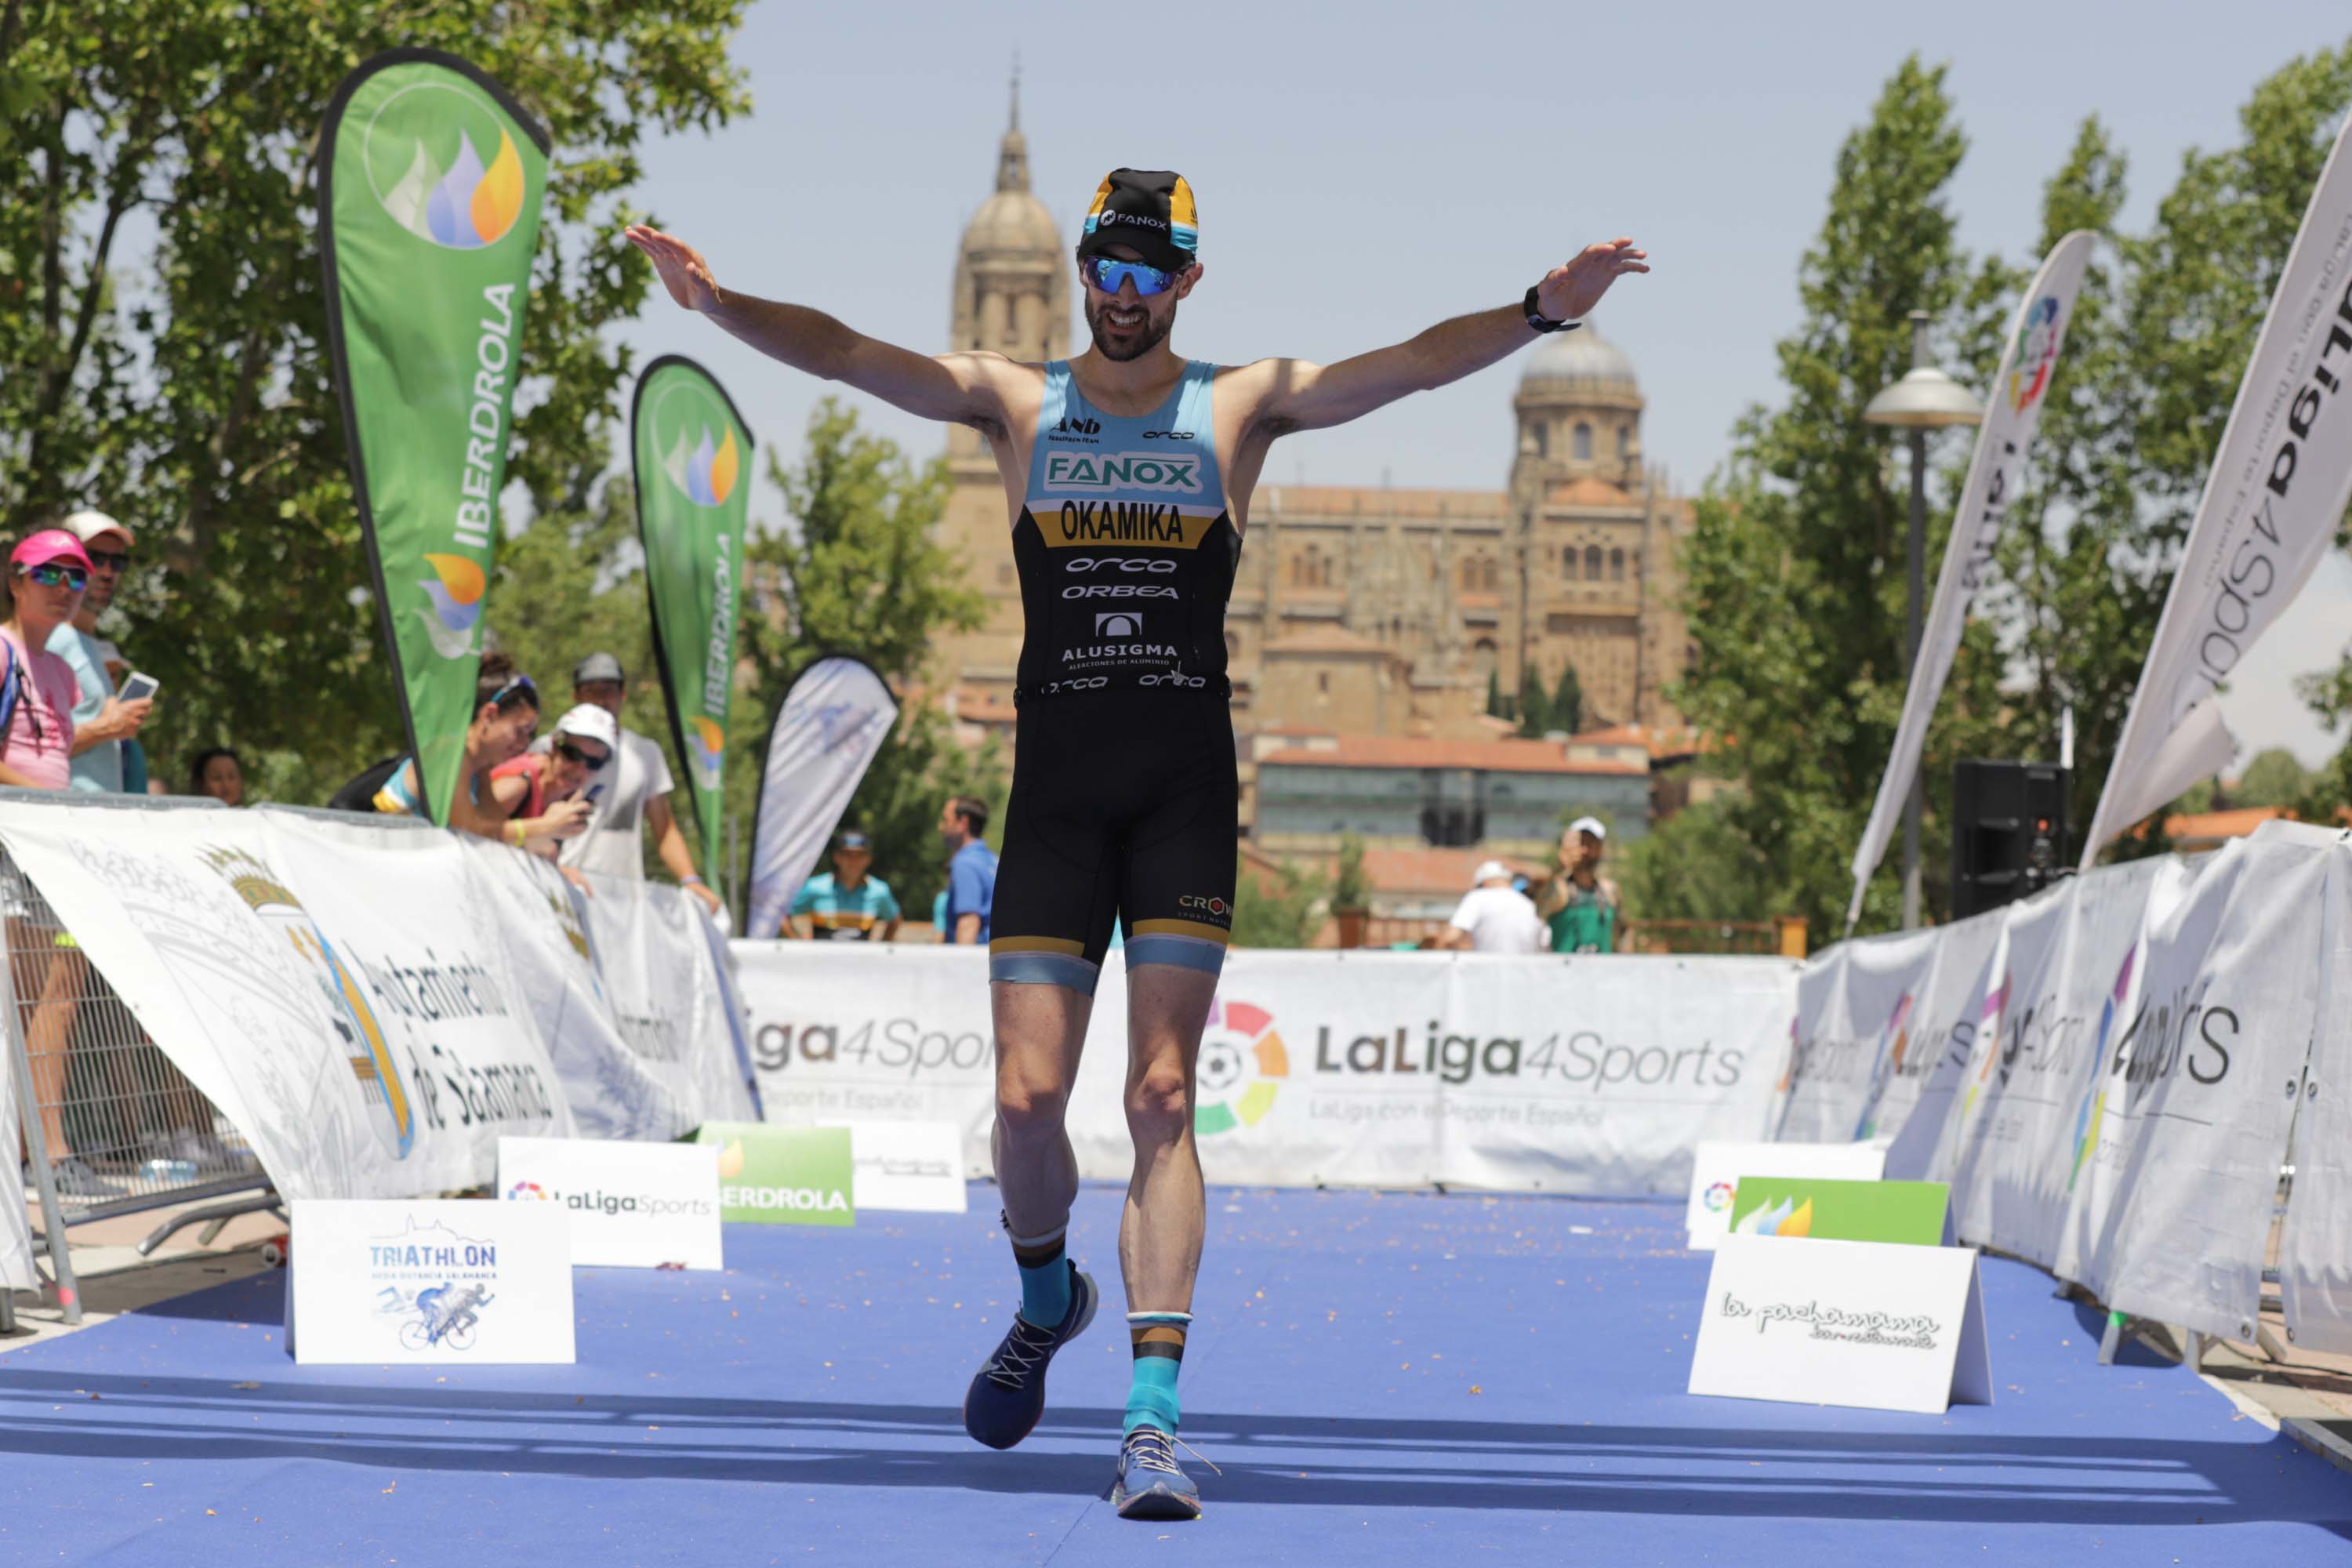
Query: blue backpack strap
<point>11,687</point>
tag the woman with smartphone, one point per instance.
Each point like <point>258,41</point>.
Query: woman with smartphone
<point>545,797</point>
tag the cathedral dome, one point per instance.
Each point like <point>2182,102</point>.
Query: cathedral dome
<point>1011,221</point>
<point>1580,360</point>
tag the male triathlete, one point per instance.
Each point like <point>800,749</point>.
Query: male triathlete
<point>1128,474</point>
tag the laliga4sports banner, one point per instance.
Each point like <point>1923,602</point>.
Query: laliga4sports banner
<point>429,187</point>
<point>830,724</point>
<point>2272,503</point>
<point>1994,473</point>
<point>690,454</point>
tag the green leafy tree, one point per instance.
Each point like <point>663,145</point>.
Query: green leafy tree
<point>1281,908</point>
<point>1535,707</point>
<point>1795,567</point>
<point>186,388</point>
<point>1568,702</point>
<point>2274,777</point>
<point>858,572</point>
<point>1494,708</point>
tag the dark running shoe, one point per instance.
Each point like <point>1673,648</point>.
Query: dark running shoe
<point>1149,1484</point>
<point>1008,1394</point>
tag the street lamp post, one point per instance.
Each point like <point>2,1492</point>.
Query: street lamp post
<point>1925,399</point>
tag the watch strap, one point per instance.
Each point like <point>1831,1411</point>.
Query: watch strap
<point>1539,321</point>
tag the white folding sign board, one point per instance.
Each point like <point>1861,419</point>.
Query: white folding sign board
<point>1715,1172</point>
<point>916,1166</point>
<point>632,1206</point>
<point>1868,1323</point>
<point>463,1281</point>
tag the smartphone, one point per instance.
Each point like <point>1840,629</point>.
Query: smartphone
<point>592,791</point>
<point>138,686</point>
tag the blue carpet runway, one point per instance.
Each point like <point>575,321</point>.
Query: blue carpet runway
<point>1384,1379</point>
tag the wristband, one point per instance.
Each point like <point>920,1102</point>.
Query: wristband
<point>1539,321</point>
<point>690,881</point>
<point>515,832</point>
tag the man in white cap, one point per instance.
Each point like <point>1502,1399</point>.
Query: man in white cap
<point>1494,916</point>
<point>105,756</point>
<point>1578,904</point>
<point>637,796</point>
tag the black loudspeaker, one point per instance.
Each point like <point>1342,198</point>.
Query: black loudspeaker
<point>2009,832</point>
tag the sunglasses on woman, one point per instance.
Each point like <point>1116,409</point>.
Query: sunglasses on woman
<point>51,574</point>
<point>1108,273</point>
<point>571,754</point>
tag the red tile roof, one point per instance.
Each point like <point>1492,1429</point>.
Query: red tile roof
<point>1509,756</point>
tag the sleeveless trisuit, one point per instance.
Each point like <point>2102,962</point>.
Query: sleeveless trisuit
<point>1125,796</point>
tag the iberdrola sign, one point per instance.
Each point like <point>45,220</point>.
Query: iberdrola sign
<point>429,189</point>
<point>692,461</point>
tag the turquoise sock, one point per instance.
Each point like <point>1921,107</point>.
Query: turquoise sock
<point>1045,1281</point>
<point>1159,1342</point>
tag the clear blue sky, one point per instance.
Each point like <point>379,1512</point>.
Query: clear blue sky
<point>1365,170</point>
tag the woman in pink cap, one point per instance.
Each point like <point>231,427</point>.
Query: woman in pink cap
<point>46,575</point>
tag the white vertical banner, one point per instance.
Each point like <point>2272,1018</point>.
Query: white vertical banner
<point>2277,492</point>
<point>1922,1083</point>
<point>2023,1145</point>
<point>2315,1250</point>
<point>1857,1013</point>
<point>2202,1088</point>
<point>543,923</point>
<point>660,973</point>
<point>830,724</point>
<point>2011,414</point>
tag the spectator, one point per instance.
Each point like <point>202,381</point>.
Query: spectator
<point>1493,917</point>
<point>636,798</point>
<point>47,575</point>
<point>1577,902</point>
<point>506,711</point>
<point>107,759</point>
<point>848,905</point>
<point>545,797</point>
<point>218,773</point>
<point>971,871</point>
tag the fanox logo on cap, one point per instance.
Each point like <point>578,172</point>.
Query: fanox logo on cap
<point>442,166</point>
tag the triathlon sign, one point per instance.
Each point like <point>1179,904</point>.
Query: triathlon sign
<point>429,1280</point>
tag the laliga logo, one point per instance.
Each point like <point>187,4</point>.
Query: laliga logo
<point>1240,1055</point>
<point>456,589</point>
<point>462,204</point>
<point>1718,1197</point>
<point>708,742</point>
<point>705,476</point>
<point>526,1189</point>
<point>2037,354</point>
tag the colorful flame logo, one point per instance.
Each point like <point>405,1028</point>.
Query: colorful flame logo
<point>465,205</point>
<point>1240,1055</point>
<point>1784,1218</point>
<point>1987,1041</point>
<point>705,476</point>
<point>707,743</point>
<point>456,589</point>
<point>2037,354</point>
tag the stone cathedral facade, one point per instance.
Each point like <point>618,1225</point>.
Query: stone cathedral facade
<point>1366,610</point>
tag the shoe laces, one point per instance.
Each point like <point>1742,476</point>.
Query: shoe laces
<point>1153,1449</point>
<point>1024,1350</point>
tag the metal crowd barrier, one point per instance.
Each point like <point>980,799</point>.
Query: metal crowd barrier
<point>110,1126</point>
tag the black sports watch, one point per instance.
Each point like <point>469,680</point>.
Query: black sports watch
<point>1539,321</point>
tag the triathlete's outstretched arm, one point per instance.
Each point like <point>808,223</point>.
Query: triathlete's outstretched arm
<point>960,388</point>
<point>1284,395</point>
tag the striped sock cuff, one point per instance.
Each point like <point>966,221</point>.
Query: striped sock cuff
<point>1157,1334</point>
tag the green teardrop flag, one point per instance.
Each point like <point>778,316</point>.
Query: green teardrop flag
<point>429,188</point>
<point>691,458</point>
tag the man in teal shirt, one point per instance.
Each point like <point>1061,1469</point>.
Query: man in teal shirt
<point>848,905</point>
<point>106,755</point>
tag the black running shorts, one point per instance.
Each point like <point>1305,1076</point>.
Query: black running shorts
<point>1125,806</point>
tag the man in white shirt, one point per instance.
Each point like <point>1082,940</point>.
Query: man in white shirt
<point>636,797</point>
<point>1493,917</point>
